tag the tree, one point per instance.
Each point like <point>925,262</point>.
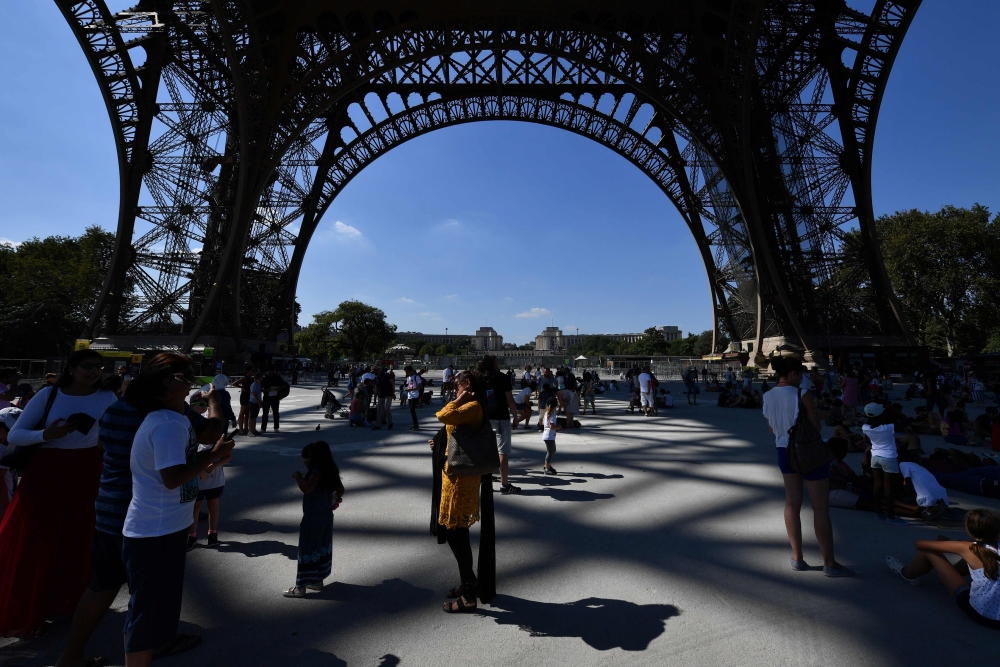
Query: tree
<point>945,270</point>
<point>317,340</point>
<point>651,344</point>
<point>48,290</point>
<point>363,330</point>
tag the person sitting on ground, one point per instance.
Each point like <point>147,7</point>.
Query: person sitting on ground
<point>724,398</point>
<point>666,399</point>
<point>955,434</point>
<point>635,401</point>
<point>980,600</point>
<point>835,415</point>
<point>913,391</point>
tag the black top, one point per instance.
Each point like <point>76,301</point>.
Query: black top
<point>495,388</point>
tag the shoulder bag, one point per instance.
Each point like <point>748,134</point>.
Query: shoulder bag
<point>472,450</point>
<point>807,451</point>
<point>18,458</point>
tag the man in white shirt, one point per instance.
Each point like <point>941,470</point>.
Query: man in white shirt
<point>781,409</point>
<point>647,398</point>
<point>526,377</point>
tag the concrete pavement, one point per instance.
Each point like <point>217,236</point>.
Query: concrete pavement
<point>660,541</point>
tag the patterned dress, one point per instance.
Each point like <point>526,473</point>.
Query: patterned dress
<point>459,495</point>
<point>315,537</point>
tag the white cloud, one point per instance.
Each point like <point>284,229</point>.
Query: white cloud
<point>448,227</point>
<point>507,298</point>
<point>535,312</point>
<point>6,241</point>
<point>403,299</point>
<point>344,234</point>
<point>347,231</point>
<point>429,314</point>
<point>451,296</point>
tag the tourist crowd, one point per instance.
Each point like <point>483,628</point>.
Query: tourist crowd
<point>111,474</point>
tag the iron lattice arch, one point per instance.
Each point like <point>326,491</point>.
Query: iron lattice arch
<point>238,122</point>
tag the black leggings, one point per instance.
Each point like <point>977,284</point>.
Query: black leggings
<point>413,410</point>
<point>550,447</point>
<point>461,546</point>
<point>884,490</point>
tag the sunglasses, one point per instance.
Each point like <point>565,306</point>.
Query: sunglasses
<point>184,377</point>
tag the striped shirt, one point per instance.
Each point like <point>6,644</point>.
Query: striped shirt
<point>117,431</point>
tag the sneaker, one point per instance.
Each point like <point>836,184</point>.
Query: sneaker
<point>798,565</point>
<point>895,521</point>
<point>389,427</point>
<point>897,566</point>
<point>842,571</point>
<point>213,539</point>
<point>549,471</point>
<point>192,540</point>
<point>509,489</point>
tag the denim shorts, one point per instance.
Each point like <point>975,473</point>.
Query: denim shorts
<point>822,472</point>
<point>885,464</point>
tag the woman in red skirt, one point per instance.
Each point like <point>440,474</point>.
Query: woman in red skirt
<point>47,531</point>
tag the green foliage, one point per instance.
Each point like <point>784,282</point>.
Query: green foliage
<point>316,340</point>
<point>945,270</point>
<point>427,348</point>
<point>651,344</point>
<point>48,289</point>
<point>441,350</point>
<point>363,330</point>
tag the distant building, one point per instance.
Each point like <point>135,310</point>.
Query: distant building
<point>486,339</point>
<point>552,338</point>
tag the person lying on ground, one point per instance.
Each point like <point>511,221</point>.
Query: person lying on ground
<point>849,490</point>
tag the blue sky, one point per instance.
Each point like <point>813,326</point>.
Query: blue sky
<point>510,224</point>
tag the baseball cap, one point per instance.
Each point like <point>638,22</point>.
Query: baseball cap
<point>874,409</point>
<point>220,381</point>
<point>8,416</point>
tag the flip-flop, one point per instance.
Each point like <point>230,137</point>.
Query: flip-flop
<point>97,661</point>
<point>179,644</point>
<point>294,592</point>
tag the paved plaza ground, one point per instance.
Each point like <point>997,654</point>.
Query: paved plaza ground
<point>661,541</point>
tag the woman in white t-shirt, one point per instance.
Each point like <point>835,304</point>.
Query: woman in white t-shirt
<point>165,464</point>
<point>49,526</point>
<point>781,408</point>
<point>881,433</point>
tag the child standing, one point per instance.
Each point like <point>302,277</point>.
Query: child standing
<point>322,492</point>
<point>881,433</point>
<point>211,484</point>
<point>549,433</point>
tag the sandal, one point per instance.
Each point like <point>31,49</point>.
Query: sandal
<point>294,592</point>
<point>456,592</point>
<point>459,606</point>
<point>179,644</point>
<point>315,587</point>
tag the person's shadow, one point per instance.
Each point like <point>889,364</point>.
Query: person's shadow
<point>601,623</point>
<point>568,495</point>
<point>260,548</point>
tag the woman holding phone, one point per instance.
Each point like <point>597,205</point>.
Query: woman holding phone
<point>47,531</point>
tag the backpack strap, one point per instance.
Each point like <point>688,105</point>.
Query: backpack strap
<point>49,400</point>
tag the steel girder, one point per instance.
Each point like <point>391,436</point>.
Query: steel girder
<point>248,116</point>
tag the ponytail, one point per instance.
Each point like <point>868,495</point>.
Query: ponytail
<point>984,528</point>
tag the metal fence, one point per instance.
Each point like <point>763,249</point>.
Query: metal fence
<point>33,370</point>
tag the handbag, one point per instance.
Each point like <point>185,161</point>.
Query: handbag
<point>18,458</point>
<point>807,451</point>
<point>472,450</point>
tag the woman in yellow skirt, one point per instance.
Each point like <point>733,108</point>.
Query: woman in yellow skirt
<point>459,505</point>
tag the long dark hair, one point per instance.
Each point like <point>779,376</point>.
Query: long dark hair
<point>983,526</point>
<point>74,360</point>
<point>319,459</point>
<point>145,393</point>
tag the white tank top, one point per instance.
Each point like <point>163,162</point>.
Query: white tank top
<point>984,594</point>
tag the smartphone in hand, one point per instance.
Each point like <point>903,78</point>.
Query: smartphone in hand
<point>83,422</point>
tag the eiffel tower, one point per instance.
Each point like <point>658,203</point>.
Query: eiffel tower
<point>238,122</point>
